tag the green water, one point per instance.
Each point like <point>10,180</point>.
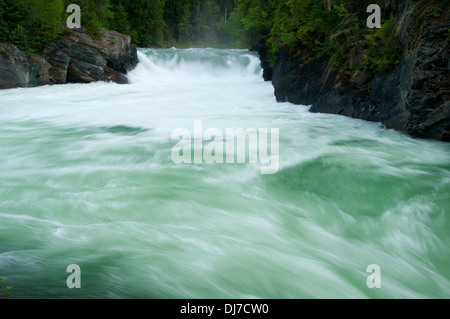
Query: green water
<point>86,177</point>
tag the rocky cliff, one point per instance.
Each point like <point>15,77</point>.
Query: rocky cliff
<point>72,58</point>
<point>413,97</point>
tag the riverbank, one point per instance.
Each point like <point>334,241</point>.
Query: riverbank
<point>412,97</point>
<point>72,58</point>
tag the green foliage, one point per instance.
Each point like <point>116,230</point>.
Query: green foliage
<point>308,25</point>
<point>385,49</point>
<point>44,20</point>
<point>313,21</point>
<point>205,16</point>
<point>30,24</point>
<point>118,19</point>
<point>89,19</point>
<point>146,21</point>
<point>10,17</point>
<point>94,15</point>
<point>184,22</point>
<point>233,31</point>
<point>428,9</point>
<point>177,20</point>
<point>257,16</point>
<point>302,25</point>
<point>344,38</point>
<point>357,65</point>
<point>295,23</point>
<point>283,31</point>
<point>4,30</point>
<point>433,11</point>
<point>4,291</point>
<point>18,37</point>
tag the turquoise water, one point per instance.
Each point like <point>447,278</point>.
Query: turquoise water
<point>87,178</point>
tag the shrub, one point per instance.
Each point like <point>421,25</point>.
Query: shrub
<point>385,50</point>
<point>4,291</point>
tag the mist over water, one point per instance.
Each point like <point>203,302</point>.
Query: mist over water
<point>86,177</point>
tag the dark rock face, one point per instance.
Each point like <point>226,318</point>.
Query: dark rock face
<point>413,97</point>
<point>77,58</point>
<point>74,58</point>
<point>60,52</point>
<point>86,65</point>
<point>120,54</point>
<point>264,55</point>
<point>21,69</point>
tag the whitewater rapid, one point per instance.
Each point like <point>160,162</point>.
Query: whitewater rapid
<point>87,178</point>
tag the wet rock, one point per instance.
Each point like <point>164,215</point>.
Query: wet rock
<point>412,97</point>
<point>21,69</point>
<point>72,58</point>
<point>77,58</point>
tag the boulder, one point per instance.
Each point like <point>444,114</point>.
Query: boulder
<point>21,69</point>
<point>77,58</point>
<point>72,58</point>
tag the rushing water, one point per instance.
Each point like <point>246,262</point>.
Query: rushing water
<point>87,178</point>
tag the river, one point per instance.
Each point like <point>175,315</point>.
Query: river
<point>87,178</point>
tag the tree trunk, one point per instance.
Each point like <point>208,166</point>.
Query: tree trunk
<point>330,4</point>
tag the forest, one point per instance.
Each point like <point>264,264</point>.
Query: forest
<point>335,27</point>
<point>30,24</point>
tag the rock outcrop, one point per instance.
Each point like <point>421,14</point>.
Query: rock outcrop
<point>21,69</point>
<point>77,58</point>
<point>413,97</point>
<point>72,58</point>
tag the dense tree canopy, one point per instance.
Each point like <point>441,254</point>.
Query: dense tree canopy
<point>298,24</point>
<point>31,23</point>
